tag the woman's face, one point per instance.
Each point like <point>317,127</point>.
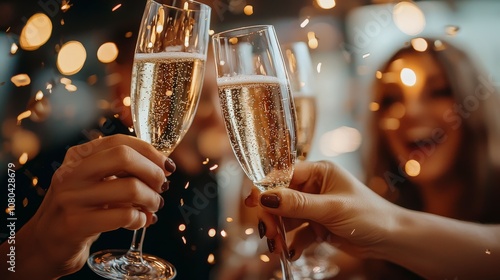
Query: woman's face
<point>415,107</point>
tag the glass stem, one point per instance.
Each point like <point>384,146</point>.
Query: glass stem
<point>134,253</point>
<point>286,267</point>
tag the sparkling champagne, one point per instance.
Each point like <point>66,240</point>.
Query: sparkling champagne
<point>165,93</point>
<point>305,107</point>
<point>258,128</point>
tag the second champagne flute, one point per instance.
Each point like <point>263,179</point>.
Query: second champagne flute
<point>167,78</point>
<point>258,109</point>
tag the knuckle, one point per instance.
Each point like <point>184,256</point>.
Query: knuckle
<point>134,187</point>
<point>123,153</point>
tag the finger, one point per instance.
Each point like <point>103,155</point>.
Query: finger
<point>115,192</point>
<point>76,153</point>
<point>303,237</point>
<point>124,159</point>
<point>290,203</point>
<point>104,220</point>
<point>252,199</point>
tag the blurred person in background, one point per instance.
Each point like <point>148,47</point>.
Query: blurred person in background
<point>434,138</point>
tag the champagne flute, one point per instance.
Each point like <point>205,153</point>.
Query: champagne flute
<point>167,77</point>
<point>315,262</point>
<point>301,75</point>
<point>258,109</point>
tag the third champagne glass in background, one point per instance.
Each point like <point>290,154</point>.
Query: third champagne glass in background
<point>301,75</point>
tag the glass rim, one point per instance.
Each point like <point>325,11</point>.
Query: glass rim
<point>201,6</point>
<point>238,31</point>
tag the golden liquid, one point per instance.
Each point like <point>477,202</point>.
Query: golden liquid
<point>259,131</point>
<point>305,107</point>
<point>165,92</point>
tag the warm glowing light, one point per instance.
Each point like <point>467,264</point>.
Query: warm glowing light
<point>71,58</point>
<point>206,161</point>
<point>233,40</point>
<point>248,231</point>
<point>184,240</point>
<point>215,166</point>
<point>341,140</point>
<point>21,80</point>
<point>248,10</point>
<point>182,227</point>
<point>412,168</point>
<point>116,7</point>
<point>438,45</point>
<point>212,232</point>
<point>36,32</point>
<point>326,4</point>
<point>389,123</point>
<point>304,23</point>
<point>34,181</point>
<point>488,252</point>
<point>378,75</point>
<point>452,30</point>
<point>312,40</point>
<point>186,186</point>
<point>65,5</point>
<point>71,88</point>
<point>211,32</point>
<point>211,259</point>
<point>23,158</point>
<point>39,95</point>
<point>318,67</point>
<point>223,233</point>
<point>408,77</point>
<point>419,44</point>
<point>107,52</point>
<point>408,18</point>
<point>91,80</point>
<point>126,101</point>
<point>13,48</point>
<point>65,81</point>
<point>23,115</point>
<point>128,34</point>
<point>265,258</point>
<point>374,106</point>
<point>229,219</point>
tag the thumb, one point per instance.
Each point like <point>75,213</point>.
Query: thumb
<point>290,203</point>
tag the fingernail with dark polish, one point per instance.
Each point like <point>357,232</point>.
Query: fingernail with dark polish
<point>165,185</point>
<point>262,229</point>
<point>291,254</point>
<point>155,219</point>
<point>270,200</point>
<point>271,245</point>
<point>170,165</point>
<point>162,203</point>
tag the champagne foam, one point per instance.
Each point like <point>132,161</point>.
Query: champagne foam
<point>249,79</point>
<point>168,55</point>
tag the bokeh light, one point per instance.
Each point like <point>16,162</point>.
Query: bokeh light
<point>408,18</point>
<point>21,80</point>
<point>419,44</point>
<point>107,52</point>
<point>36,32</point>
<point>412,168</point>
<point>339,141</point>
<point>71,58</point>
<point>408,77</point>
<point>326,4</point>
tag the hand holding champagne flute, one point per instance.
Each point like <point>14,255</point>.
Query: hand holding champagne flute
<point>258,109</point>
<point>167,78</point>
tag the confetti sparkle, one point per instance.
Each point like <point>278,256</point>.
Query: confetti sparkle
<point>186,186</point>
<point>214,167</point>
<point>116,7</point>
<point>488,252</point>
